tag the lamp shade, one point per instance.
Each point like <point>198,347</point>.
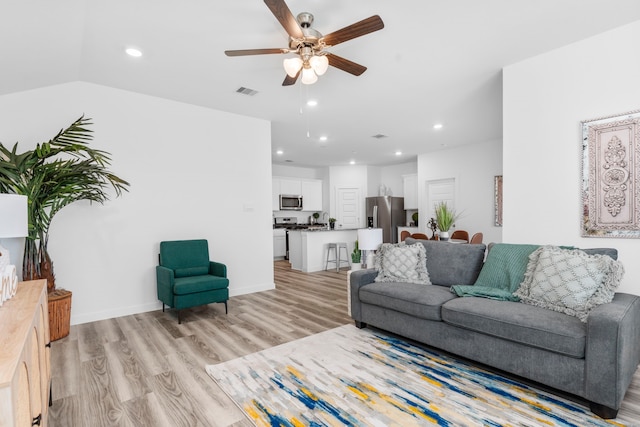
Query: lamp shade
<point>369,239</point>
<point>309,77</point>
<point>13,216</point>
<point>319,64</point>
<point>292,66</point>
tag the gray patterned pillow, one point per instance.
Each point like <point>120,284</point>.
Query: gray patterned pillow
<point>402,263</point>
<point>569,281</point>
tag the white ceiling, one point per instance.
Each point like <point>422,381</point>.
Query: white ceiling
<point>436,61</point>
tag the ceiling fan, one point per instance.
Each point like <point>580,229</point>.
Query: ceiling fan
<point>309,45</point>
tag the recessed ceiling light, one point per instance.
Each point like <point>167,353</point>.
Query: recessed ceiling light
<point>312,103</point>
<point>398,153</point>
<point>437,126</point>
<point>352,162</point>
<point>279,152</point>
<point>323,138</point>
<point>132,51</point>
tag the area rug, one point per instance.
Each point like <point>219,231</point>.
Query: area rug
<point>359,377</point>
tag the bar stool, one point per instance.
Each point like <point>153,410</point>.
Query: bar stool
<point>337,260</point>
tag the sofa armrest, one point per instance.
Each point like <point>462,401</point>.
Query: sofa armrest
<point>165,279</point>
<point>357,279</point>
<point>613,349</point>
<point>217,269</point>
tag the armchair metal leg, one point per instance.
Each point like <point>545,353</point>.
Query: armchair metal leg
<point>163,307</point>
<point>179,320</point>
<point>226,311</point>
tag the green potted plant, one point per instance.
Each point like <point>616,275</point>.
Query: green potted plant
<point>53,175</point>
<point>445,217</point>
<point>315,216</point>
<point>332,223</point>
<point>414,217</point>
<point>356,257</point>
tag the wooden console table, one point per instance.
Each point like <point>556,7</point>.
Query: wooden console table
<point>25,370</point>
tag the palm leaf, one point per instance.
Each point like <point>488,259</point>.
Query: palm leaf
<point>55,174</point>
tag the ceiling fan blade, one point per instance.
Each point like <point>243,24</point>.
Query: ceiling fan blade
<point>346,65</point>
<point>366,26</point>
<point>288,81</point>
<point>254,52</point>
<point>282,13</point>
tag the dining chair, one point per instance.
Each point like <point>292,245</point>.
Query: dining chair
<point>404,235</point>
<point>420,236</point>
<point>476,238</point>
<point>460,235</point>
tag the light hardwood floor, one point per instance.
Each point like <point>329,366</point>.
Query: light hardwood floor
<point>146,370</point>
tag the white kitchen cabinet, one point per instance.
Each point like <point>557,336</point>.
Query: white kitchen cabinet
<point>279,243</point>
<point>290,186</point>
<point>312,195</point>
<point>410,183</point>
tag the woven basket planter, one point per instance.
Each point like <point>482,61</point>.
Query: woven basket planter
<point>59,313</point>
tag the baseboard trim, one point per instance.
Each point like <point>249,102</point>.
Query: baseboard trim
<point>78,319</point>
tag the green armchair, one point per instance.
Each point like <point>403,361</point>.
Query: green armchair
<point>187,278</point>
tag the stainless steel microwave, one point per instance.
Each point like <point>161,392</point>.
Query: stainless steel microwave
<point>289,202</point>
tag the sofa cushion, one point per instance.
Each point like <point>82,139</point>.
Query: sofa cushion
<point>181,254</point>
<point>401,263</point>
<point>517,322</point>
<point>193,284</point>
<point>450,263</point>
<point>569,281</point>
<point>191,271</point>
<point>410,298</point>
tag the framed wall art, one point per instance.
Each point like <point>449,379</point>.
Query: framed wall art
<point>611,176</point>
<point>497,191</point>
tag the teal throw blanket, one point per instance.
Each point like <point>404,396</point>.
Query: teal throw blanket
<point>501,274</point>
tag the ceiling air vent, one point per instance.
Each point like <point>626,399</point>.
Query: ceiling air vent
<point>246,91</point>
<point>379,136</point>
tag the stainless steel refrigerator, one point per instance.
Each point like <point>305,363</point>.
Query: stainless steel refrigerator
<point>386,212</point>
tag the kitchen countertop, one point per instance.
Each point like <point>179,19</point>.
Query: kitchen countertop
<point>324,229</point>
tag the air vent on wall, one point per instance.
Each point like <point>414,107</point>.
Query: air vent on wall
<point>246,91</point>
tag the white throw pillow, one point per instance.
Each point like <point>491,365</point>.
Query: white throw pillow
<point>569,280</point>
<point>402,263</point>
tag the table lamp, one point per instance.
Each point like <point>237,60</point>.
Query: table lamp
<point>13,223</point>
<point>369,239</point>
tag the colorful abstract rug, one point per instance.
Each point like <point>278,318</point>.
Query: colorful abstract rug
<point>353,377</point>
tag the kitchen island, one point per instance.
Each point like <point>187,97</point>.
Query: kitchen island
<point>308,248</point>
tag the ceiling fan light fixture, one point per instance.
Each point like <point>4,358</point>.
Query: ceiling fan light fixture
<point>319,64</point>
<point>309,77</point>
<point>292,66</point>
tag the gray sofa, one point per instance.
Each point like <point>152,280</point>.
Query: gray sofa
<point>595,360</point>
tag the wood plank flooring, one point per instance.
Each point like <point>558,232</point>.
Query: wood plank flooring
<point>146,370</point>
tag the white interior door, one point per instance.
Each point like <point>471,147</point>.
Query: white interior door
<point>348,208</point>
<point>440,190</point>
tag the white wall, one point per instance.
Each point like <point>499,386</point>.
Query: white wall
<point>194,173</point>
<point>474,167</point>
<point>545,99</point>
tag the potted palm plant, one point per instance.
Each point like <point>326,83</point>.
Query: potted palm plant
<point>53,175</point>
<point>332,223</point>
<point>445,217</point>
